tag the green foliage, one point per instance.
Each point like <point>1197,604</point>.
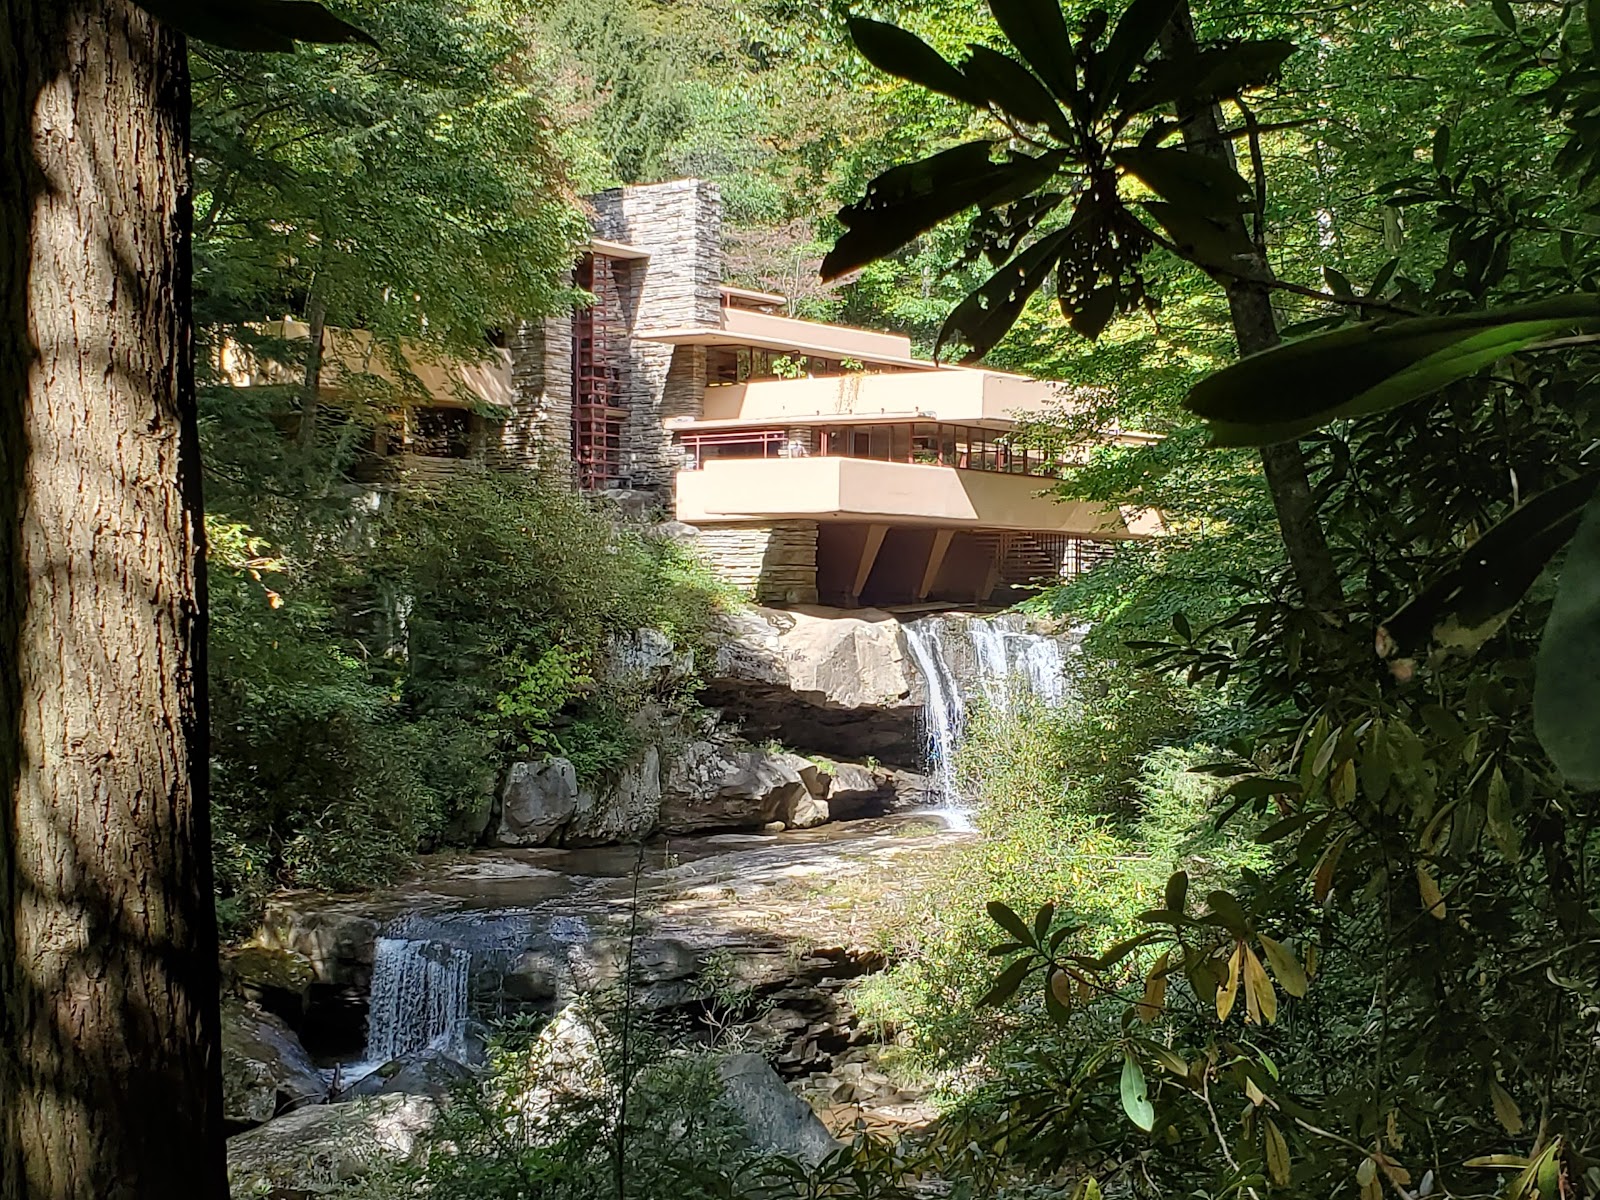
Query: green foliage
<point>536,1127</point>
<point>370,675</point>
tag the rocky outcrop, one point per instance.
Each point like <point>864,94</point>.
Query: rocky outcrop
<point>831,680</point>
<point>339,942</point>
<point>775,1120</point>
<point>265,1069</point>
<point>430,1073</point>
<point>717,786</point>
<point>313,1151</point>
<point>537,801</point>
<point>624,810</point>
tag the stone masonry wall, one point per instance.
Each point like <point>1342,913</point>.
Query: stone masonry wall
<point>537,436</point>
<point>773,564</point>
<point>680,224</point>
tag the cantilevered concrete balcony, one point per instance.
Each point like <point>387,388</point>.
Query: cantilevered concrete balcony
<point>954,395</point>
<point>901,494</point>
<point>765,331</point>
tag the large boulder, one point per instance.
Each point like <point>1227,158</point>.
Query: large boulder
<point>775,1119</point>
<point>277,979</point>
<point>623,810</point>
<point>714,785</point>
<point>836,681</point>
<point>339,940</point>
<point>313,1151</point>
<point>536,802</point>
<point>421,1073</point>
<point>265,1069</point>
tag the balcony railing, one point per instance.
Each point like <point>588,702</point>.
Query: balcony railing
<point>929,443</point>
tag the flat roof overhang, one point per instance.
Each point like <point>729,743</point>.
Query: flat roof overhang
<point>689,335</point>
<point>767,331</point>
<point>910,416</point>
<point>743,491</point>
<point>616,249</point>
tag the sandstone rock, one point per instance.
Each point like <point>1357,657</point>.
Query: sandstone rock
<point>535,977</point>
<point>646,658</point>
<point>716,786</point>
<point>536,802</point>
<point>338,941</point>
<point>265,1069</point>
<point>624,810</point>
<point>600,963</point>
<point>312,1151</point>
<point>775,1119</point>
<point>833,680</point>
<point>807,811</point>
<point>565,1065</point>
<point>277,979</point>
<point>858,791</point>
<point>424,1073</point>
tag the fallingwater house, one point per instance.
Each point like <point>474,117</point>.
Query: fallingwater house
<point>822,464</point>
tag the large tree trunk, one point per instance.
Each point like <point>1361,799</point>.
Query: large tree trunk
<point>109,1077</point>
<point>1256,328</point>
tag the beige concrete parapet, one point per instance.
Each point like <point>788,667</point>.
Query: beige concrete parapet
<point>858,489</point>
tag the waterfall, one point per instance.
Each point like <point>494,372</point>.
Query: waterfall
<point>944,714</point>
<point>419,994</point>
<point>998,659</point>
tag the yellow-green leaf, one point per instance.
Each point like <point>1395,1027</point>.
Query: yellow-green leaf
<point>1277,1154</point>
<point>1261,999</point>
<point>1432,897</point>
<point>1505,1108</point>
<point>1285,966</point>
<point>1342,788</point>
<point>1229,991</point>
<point>1155,990</point>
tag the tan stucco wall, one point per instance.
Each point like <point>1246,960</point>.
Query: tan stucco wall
<point>953,395</point>
<point>900,493</point>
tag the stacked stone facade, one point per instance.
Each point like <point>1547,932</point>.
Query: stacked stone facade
<point>773,564</point>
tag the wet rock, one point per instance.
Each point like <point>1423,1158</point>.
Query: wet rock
<point>713,785</point>
<point>775,1119</point>
<point>312,1151</point>
<point>265,1069</point>
<point>431,1073</point>
<point>536,802</point>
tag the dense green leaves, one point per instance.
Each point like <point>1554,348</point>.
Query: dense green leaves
<point>893,50</point>
<point>1471,601</point>
<point>1566,700</point>
<point>1294,388</point>
<point>909,200</point>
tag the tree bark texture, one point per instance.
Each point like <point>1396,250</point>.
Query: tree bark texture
<point>1255,328</point>
<point>110,1085</point>
<point>311,396</point>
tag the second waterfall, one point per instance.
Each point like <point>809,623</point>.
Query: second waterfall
<point>1002,662</point>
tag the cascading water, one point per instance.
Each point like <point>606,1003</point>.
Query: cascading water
<point>419,995</point>
<point>966,658</point>
<point>945,715</point>
<point>422,975</point>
